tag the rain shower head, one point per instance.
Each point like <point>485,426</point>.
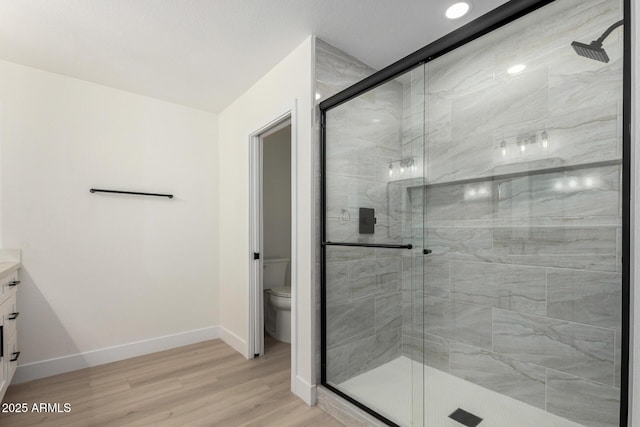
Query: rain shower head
<point>591,51</point>
<point>594,50</point>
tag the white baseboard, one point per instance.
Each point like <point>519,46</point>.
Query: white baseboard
<point>73,362</point>
<point>305,391</point>
<point>234,341</point>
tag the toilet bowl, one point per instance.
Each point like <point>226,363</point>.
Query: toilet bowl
<point>277,299</point>
<point>280,299</point>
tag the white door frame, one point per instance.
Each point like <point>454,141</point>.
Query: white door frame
<point>256,316</point>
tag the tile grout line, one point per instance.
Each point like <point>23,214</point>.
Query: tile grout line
<point>615,359</point>
<point>546,385</point>
<point>492,331</point>
<point>546,292</point>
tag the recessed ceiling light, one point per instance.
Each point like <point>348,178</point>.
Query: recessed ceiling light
<point>516,69</point>
<point>318,96</point>
<point>457,10</point>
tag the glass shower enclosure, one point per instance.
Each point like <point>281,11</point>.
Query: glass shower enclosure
<point>475,220</point>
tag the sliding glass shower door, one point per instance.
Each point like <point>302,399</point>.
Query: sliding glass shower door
<point>474,235</point>
<point>523,202</point>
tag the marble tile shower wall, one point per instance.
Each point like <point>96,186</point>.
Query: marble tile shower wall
<point>358,297</point>
<point>522,293</point>
<point>364,303</point>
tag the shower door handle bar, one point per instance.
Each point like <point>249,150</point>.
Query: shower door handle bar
<point>369,245</point>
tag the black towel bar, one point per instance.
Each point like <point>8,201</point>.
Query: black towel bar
<point>97,190</point>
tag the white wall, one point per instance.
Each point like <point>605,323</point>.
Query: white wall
<point>106,270</point>
<point>289,83</point>
<point>276,195</point>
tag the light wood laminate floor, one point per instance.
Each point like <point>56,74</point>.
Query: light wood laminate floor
<point>205,384</point>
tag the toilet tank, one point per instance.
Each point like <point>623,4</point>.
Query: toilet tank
<point>274,272</point>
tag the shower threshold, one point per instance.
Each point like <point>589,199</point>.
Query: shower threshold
<point>388,387</point>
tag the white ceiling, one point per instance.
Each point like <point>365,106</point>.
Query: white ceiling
<point>205,53</point>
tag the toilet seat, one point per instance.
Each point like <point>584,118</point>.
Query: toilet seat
<point>281,291</point>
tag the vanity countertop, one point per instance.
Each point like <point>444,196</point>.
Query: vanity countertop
<point>9,267</point>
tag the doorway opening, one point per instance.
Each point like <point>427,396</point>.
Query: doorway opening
<point>271,158</point>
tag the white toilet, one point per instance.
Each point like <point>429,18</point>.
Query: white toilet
<point>277,299</point>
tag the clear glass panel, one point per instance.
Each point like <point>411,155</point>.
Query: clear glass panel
<point>502,157</point>
<point>374,160</point>
<point>523,214</point>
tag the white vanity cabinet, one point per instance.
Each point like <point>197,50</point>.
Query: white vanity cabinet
<point>8,330</point>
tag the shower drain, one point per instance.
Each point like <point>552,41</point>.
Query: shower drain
<point>465,418</point>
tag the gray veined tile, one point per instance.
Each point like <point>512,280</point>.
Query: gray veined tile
<point>593,298</point>
<point>619,249</point>
<point>390,282</point>
<point>374,115</point>
<point>407,313</point>
<point>412,113</point>
<point>360,355</point>
<point>516,99</point>
<point>581,193</point>
<point>343,230</point>
<point>349,194</point>
<point>372,352</point>
<point>460,201</point>
<point>429,350</point>
<point>510,287</point>
<point>592,248</point>
<point>413,314</point>
<point>337,195</point>
<point>394,202</point>
<point>577,349</point>
<point>618,359</point>
<point>388,232</point>
<point>349,156</point>
<point>336,70</point>
<point>388,310</point>
<point>463,157</point>
<point>600,88</point>
<point>585,402</point>
<point>425,276</point>
<point>373,267</point>
<point>435,277</point>
<point>466,323</point>
<point>388,346</point>
<point>374,276</point>
<point>350,321</point>
<point>460,71</point>
<point>392,253</point>
<point>412,347</point>
<point>338,364</point>
<point>346,253</point>
<point>365,287</point>
<point>520,380</point>
<point>407,270</point>
<point>437,118</point>
<point>337,283</point>
<point>436,352</point>
<point>461,243</point>
<point>584,135</point>
<point>521,98</point>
